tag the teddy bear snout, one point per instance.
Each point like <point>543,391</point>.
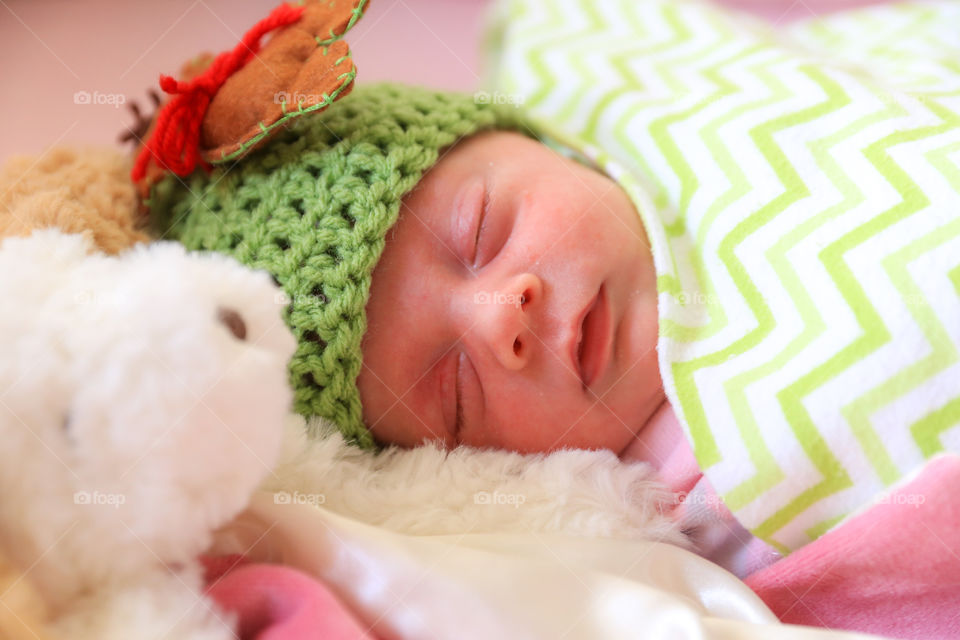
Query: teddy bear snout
<point>233,321</point>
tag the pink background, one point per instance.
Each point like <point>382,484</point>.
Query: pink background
<point>110,48</point>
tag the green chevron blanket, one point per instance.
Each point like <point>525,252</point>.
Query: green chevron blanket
<point>801,190</point>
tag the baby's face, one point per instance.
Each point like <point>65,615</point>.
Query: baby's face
<point>475,337</point>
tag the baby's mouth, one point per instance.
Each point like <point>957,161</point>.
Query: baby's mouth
<point>593,348</point>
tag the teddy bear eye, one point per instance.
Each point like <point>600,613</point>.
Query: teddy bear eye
<point>66,426</point>
<point>233,321</point>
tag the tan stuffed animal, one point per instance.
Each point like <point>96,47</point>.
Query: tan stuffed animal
<point>22,611</point>
<point>86,191</point>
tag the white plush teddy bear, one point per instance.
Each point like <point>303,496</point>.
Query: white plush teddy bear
<point>142,399</point>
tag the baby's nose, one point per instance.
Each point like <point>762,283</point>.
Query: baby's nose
<point>505,319</point>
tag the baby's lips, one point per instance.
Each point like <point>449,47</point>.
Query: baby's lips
<point>302,69</point>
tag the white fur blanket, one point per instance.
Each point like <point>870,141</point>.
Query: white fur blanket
<point>429,491</point>
<point>469,544</point>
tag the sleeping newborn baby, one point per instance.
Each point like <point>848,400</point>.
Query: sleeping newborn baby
<point>753,284</point>
<point>451,277</point>
<point>515,307</point>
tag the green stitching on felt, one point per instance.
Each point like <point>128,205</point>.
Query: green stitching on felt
<point>356,13</point>
<point>328,99</point>
<point>313,208</point>
<point>333,38</point>
<point>265,130</point>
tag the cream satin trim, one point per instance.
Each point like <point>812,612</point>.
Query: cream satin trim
<point>491,586</point>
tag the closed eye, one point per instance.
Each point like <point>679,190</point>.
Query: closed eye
<point>480,230</point>
<point>459,394</point>
<point>480,222</point>
<point>494,228</point>
<point>471,402</point>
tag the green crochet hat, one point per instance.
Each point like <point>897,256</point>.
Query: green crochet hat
<point>312,208</point>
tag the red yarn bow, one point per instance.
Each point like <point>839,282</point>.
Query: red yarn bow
<point>175,143</point>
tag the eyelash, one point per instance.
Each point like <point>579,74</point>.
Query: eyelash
<point>482,218</point>
<point>458,394</point>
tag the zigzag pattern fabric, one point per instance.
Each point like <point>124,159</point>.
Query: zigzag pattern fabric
<point>801,189</point>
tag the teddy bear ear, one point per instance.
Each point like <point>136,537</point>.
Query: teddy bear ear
<point>302,69</point>
<point>223,107</point>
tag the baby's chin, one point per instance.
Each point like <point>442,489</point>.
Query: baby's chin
<point>663,445</point>
<point>656,438</point>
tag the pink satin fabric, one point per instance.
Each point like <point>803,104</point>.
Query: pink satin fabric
<point>273,602</point>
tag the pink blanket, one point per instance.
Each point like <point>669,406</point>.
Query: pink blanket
<point>893,570</point>
<point>272,602</point>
